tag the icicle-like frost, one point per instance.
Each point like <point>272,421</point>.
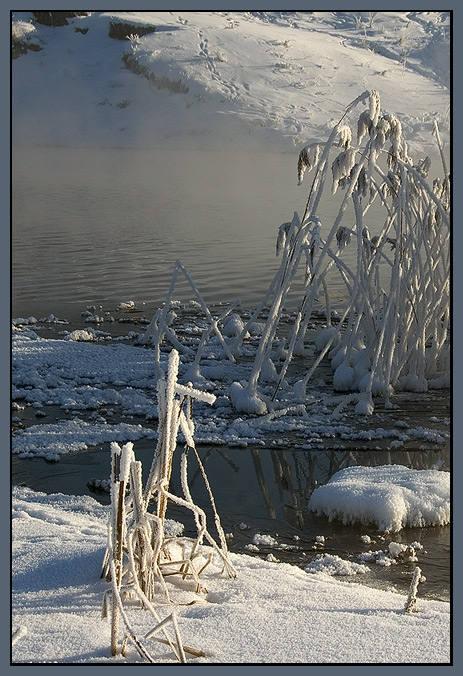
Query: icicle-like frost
<point>308,158</point>
<point>342,167</point>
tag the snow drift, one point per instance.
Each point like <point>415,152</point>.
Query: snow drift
<point>392,496</point>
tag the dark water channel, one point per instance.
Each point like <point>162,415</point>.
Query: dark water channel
<point>266,491</point>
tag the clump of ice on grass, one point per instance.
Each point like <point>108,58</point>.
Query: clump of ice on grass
<point>126,305</point>
<point>396,552</point>
<point>173,528</point>
<point>343,379</point>
<point>271,558</point>
<point>243,401</point>
<point>21,321</point>
<point>251,547</point>
<point>391,496</point>
<point>330,564</point>
<point>328,335</point>
<point>365,405</point>
<point>233,326</point>
<point>86,335</point>
<point>52,319</point>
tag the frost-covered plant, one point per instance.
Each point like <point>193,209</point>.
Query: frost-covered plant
<point>140,555</point>
<point>160,330</point>
<point>410,604</point>
<point>394,329</point>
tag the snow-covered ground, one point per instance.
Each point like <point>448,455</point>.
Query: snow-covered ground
<point>207,79</point>
<point>256,80</point>
<point>271,613</point>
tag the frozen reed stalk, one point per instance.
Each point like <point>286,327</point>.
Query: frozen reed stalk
<point>395,324</point>
<point>139,557</point>
<point>159,328</point>
<point>18,633</point>
<point>410,605</point>
<point>115,542</point>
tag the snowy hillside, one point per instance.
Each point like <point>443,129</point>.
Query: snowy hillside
<point>206,79</point>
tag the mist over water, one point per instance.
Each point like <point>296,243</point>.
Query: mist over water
<point>97,226</point>
<point>103,225</point>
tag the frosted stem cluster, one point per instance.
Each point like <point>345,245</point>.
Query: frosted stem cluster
<point>160,328</point>
<point>139,556</point>
<point>393,332</point>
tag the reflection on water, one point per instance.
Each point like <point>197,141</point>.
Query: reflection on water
<point>267,490</point>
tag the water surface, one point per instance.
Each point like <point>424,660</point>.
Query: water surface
<point>99,226</point>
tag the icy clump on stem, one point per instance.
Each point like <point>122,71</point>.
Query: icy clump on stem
<point>246,402</point>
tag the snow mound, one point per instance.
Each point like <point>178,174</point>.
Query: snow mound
<point>330,564</point>
<point>392,496</point>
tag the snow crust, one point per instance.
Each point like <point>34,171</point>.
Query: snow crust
<point>109,392</point>
<point>391,496</point>
<point>330,564</point>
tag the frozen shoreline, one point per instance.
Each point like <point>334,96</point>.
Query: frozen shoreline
<point>88,375</point>
<point>243,621</point>
<point>56,372</point>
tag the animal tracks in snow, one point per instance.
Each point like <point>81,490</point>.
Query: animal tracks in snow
<point>228,86</point>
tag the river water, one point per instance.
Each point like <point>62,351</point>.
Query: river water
<point>97,227</point>
<point>100,227</point>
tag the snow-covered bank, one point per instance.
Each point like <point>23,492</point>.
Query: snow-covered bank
<point>271,613</point>
<point>207,79</point>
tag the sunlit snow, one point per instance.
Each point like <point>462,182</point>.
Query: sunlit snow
<point>392,496</point>
<point>272,612</point>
